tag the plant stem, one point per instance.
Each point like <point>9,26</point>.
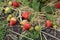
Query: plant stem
<point>40,35</point>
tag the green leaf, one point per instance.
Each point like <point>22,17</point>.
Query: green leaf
<point>36,35</point>
<point>1,3</point>
<point>53,8</point>
<point>35,5</point>
<point>0,9</point>
<point>48,9</point>
<point>26,2</point>
<point>49,17</point>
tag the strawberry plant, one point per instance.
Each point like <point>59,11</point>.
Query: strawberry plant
<point>28,19</point>
<point>51,21</point>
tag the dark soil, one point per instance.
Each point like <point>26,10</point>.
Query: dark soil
<point>52,32</point>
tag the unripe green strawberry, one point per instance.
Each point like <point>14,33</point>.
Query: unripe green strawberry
<point>31,29</point>
<point>55,27</point>
<point>8,10</point>
<point>9,17</point>
<point>37,28</point>
<point>10,3</point>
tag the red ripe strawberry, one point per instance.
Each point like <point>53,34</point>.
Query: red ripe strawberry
<point>15,4</point>
<point>12,21</point>
<point>27,26</point>
<point>24,29</point>
<point>11,24</point>
<point>25,15</point>
<point>58,5</point>
<point>48,24</point>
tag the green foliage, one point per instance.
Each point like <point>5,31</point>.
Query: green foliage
<point>49,9</point>
<point>35,5</point>
<point>38,4</point>
<point>43,1</point>
<point>0,9</point>
<point>26,2</point>
<point>1,3</point>
<point>33,35</point>
<point>41,5</point>
<point>50,17</point>
<point>53,8</point>
<point>2,29</point>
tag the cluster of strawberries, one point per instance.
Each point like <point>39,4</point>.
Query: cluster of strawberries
<point>12,20</point>
<point>48,22</point>
<point>25,23</point>
<point>26,14</point>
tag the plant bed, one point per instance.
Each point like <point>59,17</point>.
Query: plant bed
<point>52,32</point>
<point>25,23</point>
